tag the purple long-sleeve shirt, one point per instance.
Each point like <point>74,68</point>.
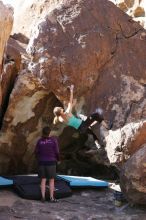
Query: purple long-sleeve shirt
<point>47,149</point>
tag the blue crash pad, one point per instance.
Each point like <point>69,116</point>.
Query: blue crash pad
<point>77,181</point>
<point>5,182</point>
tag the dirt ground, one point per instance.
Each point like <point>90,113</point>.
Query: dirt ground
<point>82,205</point>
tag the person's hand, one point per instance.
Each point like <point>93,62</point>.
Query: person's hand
<point>72,87</point>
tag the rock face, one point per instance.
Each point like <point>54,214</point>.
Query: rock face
<point>125,141</point>
<point>29,13</point>
<point>6,22</point>
<point>133,177</point>
<point>134,8</point>
<point>12,65</point>
<point>102,58</point>
<point>73,42</point>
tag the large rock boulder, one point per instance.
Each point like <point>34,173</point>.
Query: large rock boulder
<point>6,22</point>
<point>101,57</point>
<point>123,142</point>
<point>133,177</point>
<point>12,64</point>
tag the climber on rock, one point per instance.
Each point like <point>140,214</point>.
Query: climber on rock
<point>66,117</point>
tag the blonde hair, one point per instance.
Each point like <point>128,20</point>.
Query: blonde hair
<point>57,113</point>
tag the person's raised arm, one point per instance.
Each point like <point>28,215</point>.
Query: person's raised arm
<point>70,104</point>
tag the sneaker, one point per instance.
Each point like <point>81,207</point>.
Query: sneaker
<point>53,200</point>
<point>43,200</point>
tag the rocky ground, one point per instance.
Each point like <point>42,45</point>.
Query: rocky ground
<point>82,205</point>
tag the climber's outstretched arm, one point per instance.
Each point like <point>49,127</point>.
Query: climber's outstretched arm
<point>70,104</point>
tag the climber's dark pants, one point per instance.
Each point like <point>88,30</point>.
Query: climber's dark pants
<point>85,125</point>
